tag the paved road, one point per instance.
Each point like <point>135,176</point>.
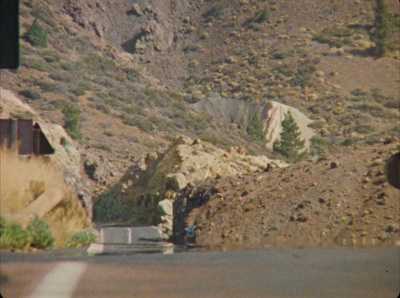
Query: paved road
<point>269,273</point>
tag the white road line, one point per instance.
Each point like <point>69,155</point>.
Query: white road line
<point>61,281</point>
<point>129,236</point>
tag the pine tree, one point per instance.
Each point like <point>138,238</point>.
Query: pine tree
<point>255,127</point>
<point>382,32</point>
<point>36,35</point>
<point>290,145</point>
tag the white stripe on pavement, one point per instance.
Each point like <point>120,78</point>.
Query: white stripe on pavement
<point>61,281</point>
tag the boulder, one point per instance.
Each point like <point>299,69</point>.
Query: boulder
<point>176,181</point>
<point>164,207</point>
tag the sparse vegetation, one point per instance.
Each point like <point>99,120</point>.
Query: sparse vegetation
<point>31,93</point>
<point>319,146</point>
<point>72,117</point>
<point>335,36</point>
<point>102,146</point>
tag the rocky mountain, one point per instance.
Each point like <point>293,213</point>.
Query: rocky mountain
<point>142,72</point>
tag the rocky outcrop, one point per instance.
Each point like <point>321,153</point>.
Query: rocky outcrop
<point>141,27</point>
<point>157,177</point>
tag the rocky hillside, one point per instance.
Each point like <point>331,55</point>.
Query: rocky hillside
<point>134,67</point>
<point>310,204</point>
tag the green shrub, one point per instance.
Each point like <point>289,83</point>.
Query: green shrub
<point>68,66</point>
<point>107,208</point>
<point>350,141</point>
<point>98,64</point>
<point>262,16</point>
<point>375,110</point>
<point>31,93</point>
<point>150,144</point>
<point>77,90</point>
<point>102,146</point>
<point>51,56</point>
<point>139,122</point>
<point>132,74</point>
<point>306,69</point>
<point>318,146</point>
<point>102,108</point>
<point>45,85</point>
<point>335,36</point>
<point>3,224</point>
<point>109,133</point>
<point>36,35</point>
<point>277,54</point>
<point>40,233</point>
<point>256,128</point>
<point>13,236</point>
<point>72,118</point>
<point>81,238</point>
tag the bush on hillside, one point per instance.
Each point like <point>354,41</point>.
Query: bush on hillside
<point>31,93</point>
<point>81,238</point>
<point>40,233</point>
<point>36,35</point>
<point>13,236</point>
<point>256,128</point>
<point>72,118</point>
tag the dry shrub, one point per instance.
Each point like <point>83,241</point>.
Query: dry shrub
<point>67,219</point>
<point>23,179</point>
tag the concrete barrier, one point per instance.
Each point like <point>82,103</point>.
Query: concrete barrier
<point>130,235</point>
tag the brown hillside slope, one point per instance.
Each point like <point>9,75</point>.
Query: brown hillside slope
<point>339,200</point>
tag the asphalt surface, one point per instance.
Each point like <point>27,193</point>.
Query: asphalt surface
<point>259,273</point>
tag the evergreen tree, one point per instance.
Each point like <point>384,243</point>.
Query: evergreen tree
<point>290,145</point>
<point>255,127</point>
<point>36,35</point>
<point>382,32</point>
